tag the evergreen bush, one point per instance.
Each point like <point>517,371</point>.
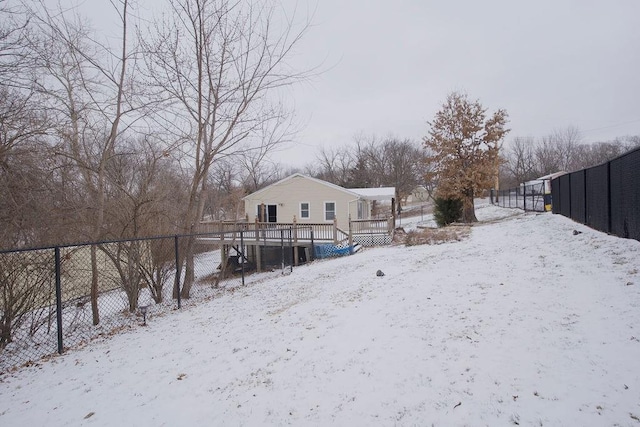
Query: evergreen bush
<point>447,211</point>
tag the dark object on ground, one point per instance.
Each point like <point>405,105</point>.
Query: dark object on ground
<point>576,232</point>
<point>379,273</point>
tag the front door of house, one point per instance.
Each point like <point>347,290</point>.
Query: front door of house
<point>267,213</point>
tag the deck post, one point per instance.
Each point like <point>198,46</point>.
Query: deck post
<point>313,248</point>
<point>335,230</point>
<point>258,258</point>
<point>295,240</point>
<point>393,211</point>
<point>295,229</point>
<point>258,252</point>
<point>243,255</point>
<point>257,233</point>
<point>350,234</point>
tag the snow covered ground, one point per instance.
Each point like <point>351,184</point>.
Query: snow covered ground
<point>524,322</point>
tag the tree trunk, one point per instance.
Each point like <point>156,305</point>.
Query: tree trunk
<point>468,209</point>
<point>194,215</point>
<point>5,328</point>
<point>189,271</point>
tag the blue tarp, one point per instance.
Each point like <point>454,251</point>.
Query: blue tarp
<point>329,250</point>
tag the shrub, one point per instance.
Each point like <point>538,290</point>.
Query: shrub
<point>447,211</point>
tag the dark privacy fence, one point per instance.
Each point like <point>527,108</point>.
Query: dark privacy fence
<point>54,298</point>
<point>604,197</point>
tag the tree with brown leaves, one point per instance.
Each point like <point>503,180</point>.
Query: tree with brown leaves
<point>464,147</point>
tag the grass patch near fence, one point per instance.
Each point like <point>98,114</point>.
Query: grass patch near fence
<point>435,236</point>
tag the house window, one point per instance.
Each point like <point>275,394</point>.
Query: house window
<point>304,210</point>
<point>329,211</point>
<point>361,208</point>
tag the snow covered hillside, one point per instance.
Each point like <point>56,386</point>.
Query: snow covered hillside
<point>524,322</point>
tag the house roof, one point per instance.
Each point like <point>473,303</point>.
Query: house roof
<point>553,175</point>
<point>382,193</point>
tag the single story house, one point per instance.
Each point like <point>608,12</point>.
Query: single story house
<point>418,194</point>
<point>313,201</point>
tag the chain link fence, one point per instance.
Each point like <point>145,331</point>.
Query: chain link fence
<point>56,298</point>
<point>529,197</point>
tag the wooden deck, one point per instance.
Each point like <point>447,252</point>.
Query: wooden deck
<point>254,239</point>
<point>273,233</point>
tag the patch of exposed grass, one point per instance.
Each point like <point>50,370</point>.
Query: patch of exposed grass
<point>436,236</point>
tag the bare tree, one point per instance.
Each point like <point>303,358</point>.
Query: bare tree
<point>215,62</point>
<point>26,287</point>
<point>86,86</point>
<point>588,155</point>
<point>520,162</point>
<point>567,141</point>
<point>226,179</point>
<point>24,198</point>
<point>368,162</point>
<point>14,61</point>
<point>257,168</point>
<point>402,160</point>
<point>629,142</point>
<point>558,151</point>
<point>335,165</point>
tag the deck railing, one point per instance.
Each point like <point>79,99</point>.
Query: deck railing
<point>367,226</point>
<point>328,232</point>
<point>221,226</point>
<point>271,230</point>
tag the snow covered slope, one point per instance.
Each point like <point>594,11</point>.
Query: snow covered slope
<point>524,323</point>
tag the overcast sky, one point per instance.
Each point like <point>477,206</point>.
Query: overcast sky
<point>390,65</point>
<point>550,64</point>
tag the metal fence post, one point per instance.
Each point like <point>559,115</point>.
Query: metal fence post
<point>569,198</point>
<point>586,206</point>
<point>609,222</point>
<point>178,272</point>
<point>56,252</point>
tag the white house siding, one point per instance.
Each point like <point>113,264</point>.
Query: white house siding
<point>290,192</point>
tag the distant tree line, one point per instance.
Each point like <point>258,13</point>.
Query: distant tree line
<point>372,162</point>
<point>527,158</point>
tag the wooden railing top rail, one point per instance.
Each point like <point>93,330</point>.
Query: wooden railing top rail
<point>383,220</point>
